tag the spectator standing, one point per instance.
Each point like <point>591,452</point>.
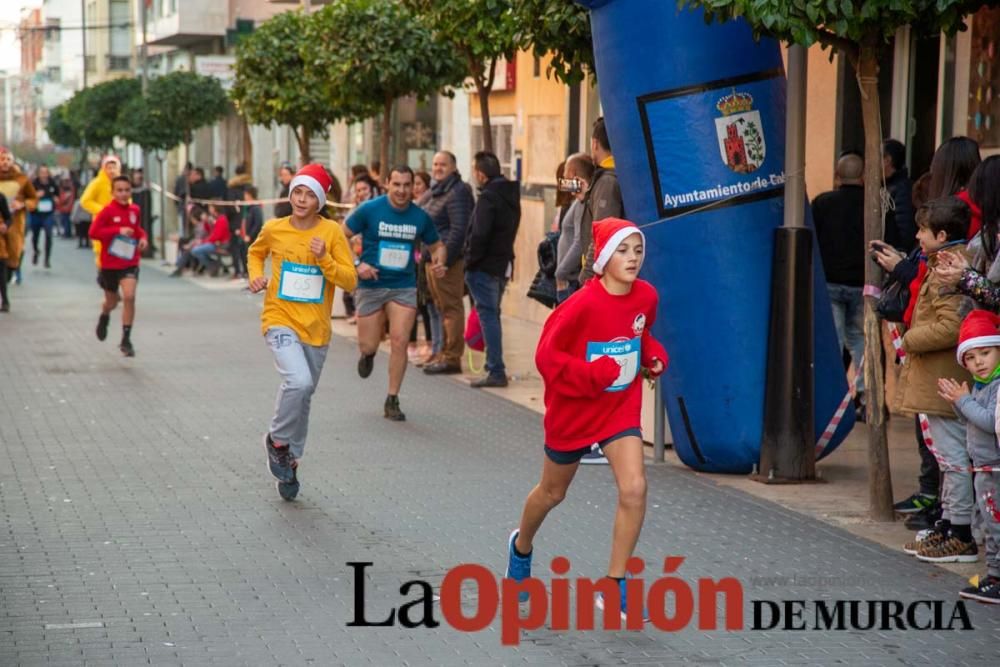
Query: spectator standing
<point>181,192</point>
<point>450,207</point>
<point>604,197</point>
<point>43,217</point>
<point>900,187</point>
<point>578,173</point>
<point>64,207</point>
<point>218,183</point>
<point>839,216</point>
<point>253,215</point>
<point>489,256</point>
<point>421,185</point>
<point>143,198</point>
<point>283,209</point>
<point>951,168</point>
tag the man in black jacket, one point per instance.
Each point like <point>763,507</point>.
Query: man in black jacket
<point>839,217</point>
<point>489,253</point>
<point>450,207</point>
<point>901,230</point>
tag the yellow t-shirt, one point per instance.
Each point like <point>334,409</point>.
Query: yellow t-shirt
<point>284,243</point>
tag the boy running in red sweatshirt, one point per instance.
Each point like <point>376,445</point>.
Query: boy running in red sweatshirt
<point>590,355</point>
<point>119,229</point>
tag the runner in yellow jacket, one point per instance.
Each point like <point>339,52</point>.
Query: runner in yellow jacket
<point>97,195</point>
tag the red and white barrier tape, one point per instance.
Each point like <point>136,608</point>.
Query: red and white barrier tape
<point>925,429</point>
<point>238,202</point>
<point>831,428</point>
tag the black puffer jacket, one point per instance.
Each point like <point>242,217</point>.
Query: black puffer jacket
<point>450,207</point>
<point>490,244</point>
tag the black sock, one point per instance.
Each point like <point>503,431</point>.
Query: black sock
<point>518,553</point>
<point>3,281</point>
<point>962,531</point>
<point>126,332</point>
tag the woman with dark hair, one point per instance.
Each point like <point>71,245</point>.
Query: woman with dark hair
<point>980,279</point>
<point>952,167</point>
<point>421,184</point>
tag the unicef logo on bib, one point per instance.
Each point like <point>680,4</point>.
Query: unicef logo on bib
<point>301,282</point>
<point>625,352</point>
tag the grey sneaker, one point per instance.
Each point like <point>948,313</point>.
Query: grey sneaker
<point>288,490</point>
<point>279,461</point>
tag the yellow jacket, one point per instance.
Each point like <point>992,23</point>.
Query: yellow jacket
<point>95,197</point>
<point>284,243</point>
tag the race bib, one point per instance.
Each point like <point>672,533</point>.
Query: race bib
<point>626,355</point>
<point>393,255</point>
<point>44,206</point>
<point>123,247</point>
<point>301,282</point>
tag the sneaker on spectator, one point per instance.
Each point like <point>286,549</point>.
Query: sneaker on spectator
<point>918,502</point>
<point>928,537</point>
<point>987,591</point>
<point>925,519</point>
<point>594,457</point>
<point>951,550</point>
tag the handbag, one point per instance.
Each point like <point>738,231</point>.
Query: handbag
<point>893,301</point>
<point>79,214</point>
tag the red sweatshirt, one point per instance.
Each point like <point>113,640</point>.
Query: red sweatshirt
<point>590,396</point>
<point>976,219</point>
<point>220,232</point>
<point>106,227</point>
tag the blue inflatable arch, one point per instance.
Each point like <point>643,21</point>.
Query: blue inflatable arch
<point>696,118</point>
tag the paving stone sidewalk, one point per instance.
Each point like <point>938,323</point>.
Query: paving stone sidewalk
<point>138,524</point>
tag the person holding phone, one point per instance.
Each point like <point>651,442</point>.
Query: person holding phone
<point>578,173</point>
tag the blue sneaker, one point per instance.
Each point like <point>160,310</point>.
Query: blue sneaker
<point>279,460</point>
<point>288,490</point>
<point>518,567</point>
<point>594,456</point>
<point>599,601</point>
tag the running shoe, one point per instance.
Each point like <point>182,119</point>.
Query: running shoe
<point>925,519</point>
<point>279,460</point>
<point>987,591</point>
<point>288,490</point>
<point>600,602</point>
<point>518,567</point>
<point>365,365</point>
<point>594,457</point>
<point>918,502</point>
<point>126,348</point>
<point>392,411</point>
<point>5,307</point>
<point>102,326</point>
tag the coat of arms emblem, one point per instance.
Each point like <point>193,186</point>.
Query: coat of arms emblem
<point>741,140</point>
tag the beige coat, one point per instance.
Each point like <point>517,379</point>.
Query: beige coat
<point>930,344</point>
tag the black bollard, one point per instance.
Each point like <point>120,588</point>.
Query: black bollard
<point>787,452</point>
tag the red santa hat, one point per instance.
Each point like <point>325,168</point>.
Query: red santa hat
<point>314,177</point>
<point>980,328</point>
<point>608,235</point>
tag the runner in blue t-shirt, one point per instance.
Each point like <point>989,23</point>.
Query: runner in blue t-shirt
<point>390,225</point>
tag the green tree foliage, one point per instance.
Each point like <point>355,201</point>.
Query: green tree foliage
<point>375,51</point>
<point>480,32</point>
<point>59,129</point>
<point>94,112</point>
<point>559,28</point>
<point>278,80</point>
<point>859,28</point>
<point>187,101</point>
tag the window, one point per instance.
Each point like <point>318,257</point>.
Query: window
<point>503,141</point>
<point>120,32</point>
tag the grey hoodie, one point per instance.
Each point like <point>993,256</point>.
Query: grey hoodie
<point>979,412</point>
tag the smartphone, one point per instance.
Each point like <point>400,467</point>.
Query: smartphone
<point>570,185</point>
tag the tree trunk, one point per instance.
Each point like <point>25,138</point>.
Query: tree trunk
<point>303,136</point>
<point>247,146</point>
<point>879,477</point>
<point>484,111</point>
<point>383,151</point>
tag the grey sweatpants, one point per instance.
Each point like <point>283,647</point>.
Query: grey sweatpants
<point>299,366</point>
<point>988,497</point>
<point>957,499</point>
